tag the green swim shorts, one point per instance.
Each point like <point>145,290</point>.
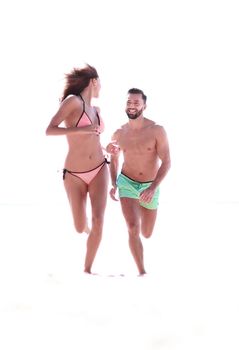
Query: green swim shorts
<point>132,189</point>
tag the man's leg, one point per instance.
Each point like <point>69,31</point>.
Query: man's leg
<point>131,211</point>
<point>148,219</point>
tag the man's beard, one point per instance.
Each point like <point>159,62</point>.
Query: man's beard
<point>134,115</point>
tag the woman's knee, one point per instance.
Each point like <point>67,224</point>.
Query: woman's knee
<point>80,226</point>
<point>147,233</point>
<point>97,222</point>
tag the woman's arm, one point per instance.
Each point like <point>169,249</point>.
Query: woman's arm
<point>68,108</point>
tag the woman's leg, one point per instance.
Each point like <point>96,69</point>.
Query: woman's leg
<point>76,191</point>
<point>98,191</point>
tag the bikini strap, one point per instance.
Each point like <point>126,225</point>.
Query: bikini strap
<point>83,109</point>
<point>64,173</point>
<point>83,102</point>
<point>97,115</point>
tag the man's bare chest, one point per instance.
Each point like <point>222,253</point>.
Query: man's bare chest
<point>137,142</point>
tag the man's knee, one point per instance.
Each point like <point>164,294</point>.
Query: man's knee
<point>147,228</point>
<point>133,228</point>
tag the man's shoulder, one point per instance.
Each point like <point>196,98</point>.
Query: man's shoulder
<point>153,125</point>
<point>158,127</point>
<point>121,128</point>
<point>159,132</point>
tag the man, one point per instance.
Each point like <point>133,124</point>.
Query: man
<point>146,161</point>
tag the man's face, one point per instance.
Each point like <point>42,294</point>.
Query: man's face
<point>135,106</point>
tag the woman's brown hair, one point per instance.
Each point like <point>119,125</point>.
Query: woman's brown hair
<point>78,79</point>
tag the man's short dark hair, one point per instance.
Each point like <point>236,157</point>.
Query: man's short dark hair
<point>138,91</point>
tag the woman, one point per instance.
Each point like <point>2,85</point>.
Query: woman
<point>85,169</point>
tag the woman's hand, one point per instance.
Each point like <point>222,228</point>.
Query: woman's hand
<point>90,129</point>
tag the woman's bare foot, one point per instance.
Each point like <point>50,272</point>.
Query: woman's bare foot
<point>91,273</point>
<point>87,229</point>
<point>142,274</point>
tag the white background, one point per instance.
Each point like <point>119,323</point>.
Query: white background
<point>184,55</point>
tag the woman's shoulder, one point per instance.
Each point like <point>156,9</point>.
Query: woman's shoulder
<point>72,99</point>
<point>72,102</point>
<point>97,109</point>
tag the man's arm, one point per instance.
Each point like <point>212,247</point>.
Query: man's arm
<point>114,151</point>
<point>163,152</point>
<point>114,166</point>
<point>162,148</point>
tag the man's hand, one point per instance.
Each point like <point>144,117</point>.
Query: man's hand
<point>113,192</point>
<point>113,148</point>
<point>147,195</point>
